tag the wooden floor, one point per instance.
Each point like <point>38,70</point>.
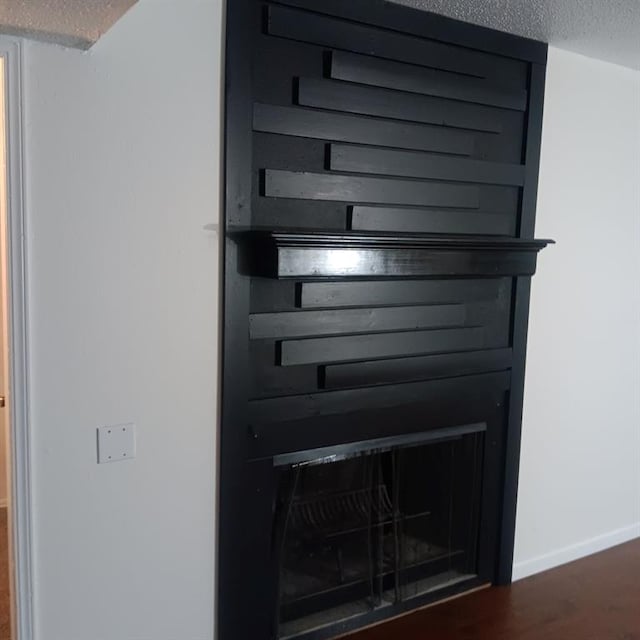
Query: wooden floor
<point>597,598</point>
<point>5,621</point>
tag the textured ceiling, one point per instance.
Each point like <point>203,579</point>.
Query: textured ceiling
<point>73,23</point>
<point>605,29</point>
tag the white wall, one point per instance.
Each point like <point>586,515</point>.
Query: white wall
<point>122,170</point>
<point>580,468</point>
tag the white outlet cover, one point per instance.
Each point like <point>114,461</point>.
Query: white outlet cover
<point>116,443</point>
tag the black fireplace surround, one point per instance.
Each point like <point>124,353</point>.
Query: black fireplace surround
<point>381,169</point>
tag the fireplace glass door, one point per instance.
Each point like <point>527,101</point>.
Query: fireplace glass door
<point>362,531</point>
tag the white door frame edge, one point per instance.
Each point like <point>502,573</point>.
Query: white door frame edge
<point>11,50</point>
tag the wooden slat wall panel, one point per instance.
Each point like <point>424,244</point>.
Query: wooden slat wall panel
<point>269,379</point>
<point>348,401</point>
<point>392,75</point>
<point>435,151</point>
<point>374,346</point>
<point>355,294</point>
<point>409,164</point>
<point>349,36</point>
<point>292,154</point>
<point>363,374</point>
<point>308,323</point>
<point>325,186</point>
<point>363,218</point>
<point>373,101</point>
<point>308,123</point>
<point>269,295</point>
<point>508,51</point>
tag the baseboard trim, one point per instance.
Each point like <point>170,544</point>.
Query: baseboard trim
<point>575,551</point>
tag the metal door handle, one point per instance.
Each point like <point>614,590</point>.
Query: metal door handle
<point>1,401</point>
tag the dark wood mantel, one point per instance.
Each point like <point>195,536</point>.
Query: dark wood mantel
<point>311,255</point>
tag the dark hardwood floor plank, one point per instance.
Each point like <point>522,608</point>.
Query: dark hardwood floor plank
<point>594,598</point>
<point>5,577</point>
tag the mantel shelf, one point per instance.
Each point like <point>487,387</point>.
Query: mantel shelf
<point>321,255</point>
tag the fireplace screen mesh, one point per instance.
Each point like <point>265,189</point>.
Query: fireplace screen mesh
<point>375,529</point>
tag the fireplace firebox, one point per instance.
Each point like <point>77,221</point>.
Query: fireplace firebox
<point>380,186</point>
<point>363,530</point>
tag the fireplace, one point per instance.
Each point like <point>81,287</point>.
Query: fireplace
<point>375,526</point>
<point>381,175</point>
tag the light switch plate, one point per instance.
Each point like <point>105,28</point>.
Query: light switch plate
<point>116,443</point>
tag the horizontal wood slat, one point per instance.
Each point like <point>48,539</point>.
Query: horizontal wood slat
<point>414,79</point>
<point>316,323</point>
<point>340,188</point>
<point>322,125</point>
<point>383,345</point>
<point>350,401</point>
<point>421,165</point>
<point>362,374</point>
<point>364,218</point>
<point>356,294</point>
<point>379,13</point>
<point>350,36</point>
<point>373,101</point>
